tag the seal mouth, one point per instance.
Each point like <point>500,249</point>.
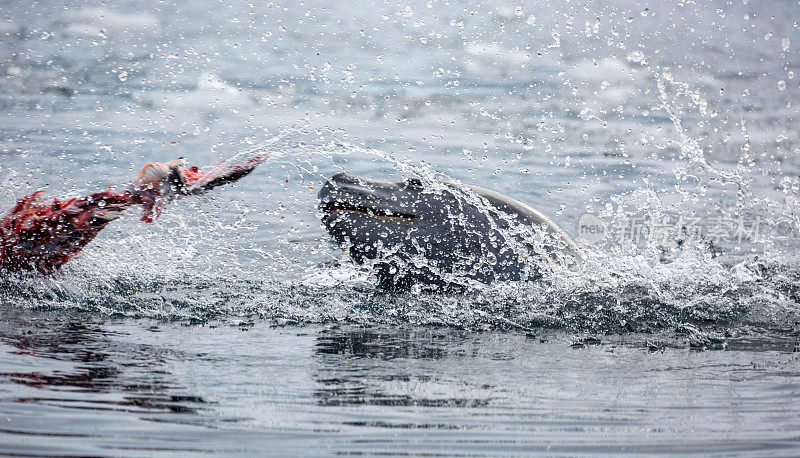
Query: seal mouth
<point>329,209</point>
<point>381,201</point>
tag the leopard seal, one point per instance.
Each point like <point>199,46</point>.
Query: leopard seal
<point>440,233</point>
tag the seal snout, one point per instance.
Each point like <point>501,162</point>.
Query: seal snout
<point>335,187</point>
<point>347,194</point>
<point>343,178</point>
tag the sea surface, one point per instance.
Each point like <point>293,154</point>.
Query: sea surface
<point>663,136</point>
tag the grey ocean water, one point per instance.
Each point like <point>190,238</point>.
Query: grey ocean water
<point>233,325</point>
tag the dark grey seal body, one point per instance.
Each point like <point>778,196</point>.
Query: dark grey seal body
<point>443,234</point>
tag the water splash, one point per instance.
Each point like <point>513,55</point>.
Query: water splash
<point>192,267</point>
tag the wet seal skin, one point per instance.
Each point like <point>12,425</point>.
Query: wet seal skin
<point>442,234</point>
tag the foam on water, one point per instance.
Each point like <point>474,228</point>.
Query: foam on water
<point>100,22</point>
<point>191,266</point>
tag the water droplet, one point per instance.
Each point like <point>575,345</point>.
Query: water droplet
<point>785,43</point>
<point>667,74</point>
<point>636,56</point>
<point>531,20</point>
<point>782,85</point>
<point>123,75</point>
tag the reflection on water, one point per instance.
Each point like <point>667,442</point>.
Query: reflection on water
<point>127,387</point>
<point>354,382</point>
<point>92,367</point>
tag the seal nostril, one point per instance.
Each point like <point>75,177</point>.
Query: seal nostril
<point>414,183</point>
<point>343,178</point>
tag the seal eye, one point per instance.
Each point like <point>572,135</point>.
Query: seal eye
<point>414,183</point>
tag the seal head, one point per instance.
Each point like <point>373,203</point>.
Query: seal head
<point>441,234</point>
